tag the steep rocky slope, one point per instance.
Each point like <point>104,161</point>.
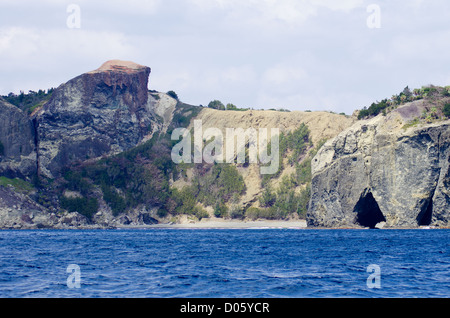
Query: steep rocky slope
<point>98,113</point>
<point>17,142</point>
<point>322,126</point>
<point>98,154</point>
<point>384,171</point>
<point>95,115</point>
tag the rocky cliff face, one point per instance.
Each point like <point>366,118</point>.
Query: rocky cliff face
<point>372,172</point>
<point>98,113</point>
<point>380,171</point>
<point>17,142</point>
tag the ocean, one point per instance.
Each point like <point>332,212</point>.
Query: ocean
<point>224,263</point>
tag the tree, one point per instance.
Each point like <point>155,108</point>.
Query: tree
<point>446,91</point>
<point>268,197</point>
<point>220,210</point>
<point>85,206</point>
<point>407,92</point>
<point>363,113</point>
<point>231,107</point>
<point>216,104</point>
<point>172,94</point>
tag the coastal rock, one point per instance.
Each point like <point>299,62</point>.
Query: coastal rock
<point>380,171</point>
<point>99,113</point>
<point>17,142</point>
<point>19,211</point>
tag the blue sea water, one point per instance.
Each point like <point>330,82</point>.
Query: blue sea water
<point>232,263</point>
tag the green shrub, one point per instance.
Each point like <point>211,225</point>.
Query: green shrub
<point>76,182</point>
<point>28,102</point>
<point>303,201</point>
<point>446,110</point>
<point>236,212</point>
<point>303,171</point>
<point>200,212</point>
<point>271,213</point>
<point>162,212</point>
<point>85,206</point>
<point>374,109</point>
<point>219,182</point>
<point>185,200</point>
<point>216,104</point>
<point>220,210</point>
<point>268,197</point>
<point>253,213</point>
<point>114,200</point>
<point>446,91</point>
<point>231,107</point>
<point>297,141</point>
<point>172,94</point>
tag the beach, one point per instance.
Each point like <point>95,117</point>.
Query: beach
<point>233,224</point>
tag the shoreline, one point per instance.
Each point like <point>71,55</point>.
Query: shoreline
<point>259,224</point>
<point>215,223</point>
<point>226,224</point>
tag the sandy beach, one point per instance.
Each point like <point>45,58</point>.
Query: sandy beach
<point>233,224</point>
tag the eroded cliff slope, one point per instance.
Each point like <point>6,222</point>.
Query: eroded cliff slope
<point>17,142</point>
<point>99,113</point>
<point>384,171</point>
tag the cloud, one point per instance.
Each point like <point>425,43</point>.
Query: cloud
<point>56,43</point>
<point>283,74</point>
<point>292,12</point>
<point>316,54</point>
<point>55,55</point>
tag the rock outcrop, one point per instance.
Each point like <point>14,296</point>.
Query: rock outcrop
<point>17,142</point>
<point>19,211</point>
<point>99,113</point>
<point>380,171</point>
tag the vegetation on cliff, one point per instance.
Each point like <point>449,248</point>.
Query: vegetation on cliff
<point>435,96</point>
<point>30,101</point>
<point>294,191</point>
<point>143,176</point>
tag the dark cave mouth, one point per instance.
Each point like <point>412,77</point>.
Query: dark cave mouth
<point>368,212</point>
<point>424,217</point>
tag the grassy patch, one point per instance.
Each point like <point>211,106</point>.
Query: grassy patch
<point>18,184</point>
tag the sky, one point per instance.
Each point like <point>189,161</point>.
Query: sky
<point>332,55</point>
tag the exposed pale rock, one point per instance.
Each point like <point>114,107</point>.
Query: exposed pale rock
<point>18,157</point>
<point>376,171</point>
<point>99,113</point>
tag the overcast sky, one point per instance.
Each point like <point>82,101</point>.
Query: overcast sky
<point>295,54</point>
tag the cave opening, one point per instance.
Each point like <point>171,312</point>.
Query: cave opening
<point>368,212</point>
<point>424,217</point>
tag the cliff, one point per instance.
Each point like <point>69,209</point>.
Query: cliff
<point>17,142</point>
<point>321,125</point>
<point>384,171</point>
<point>98,154</point>
<point>99,113</point>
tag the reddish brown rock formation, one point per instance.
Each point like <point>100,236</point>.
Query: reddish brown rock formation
<point>98,113</point>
